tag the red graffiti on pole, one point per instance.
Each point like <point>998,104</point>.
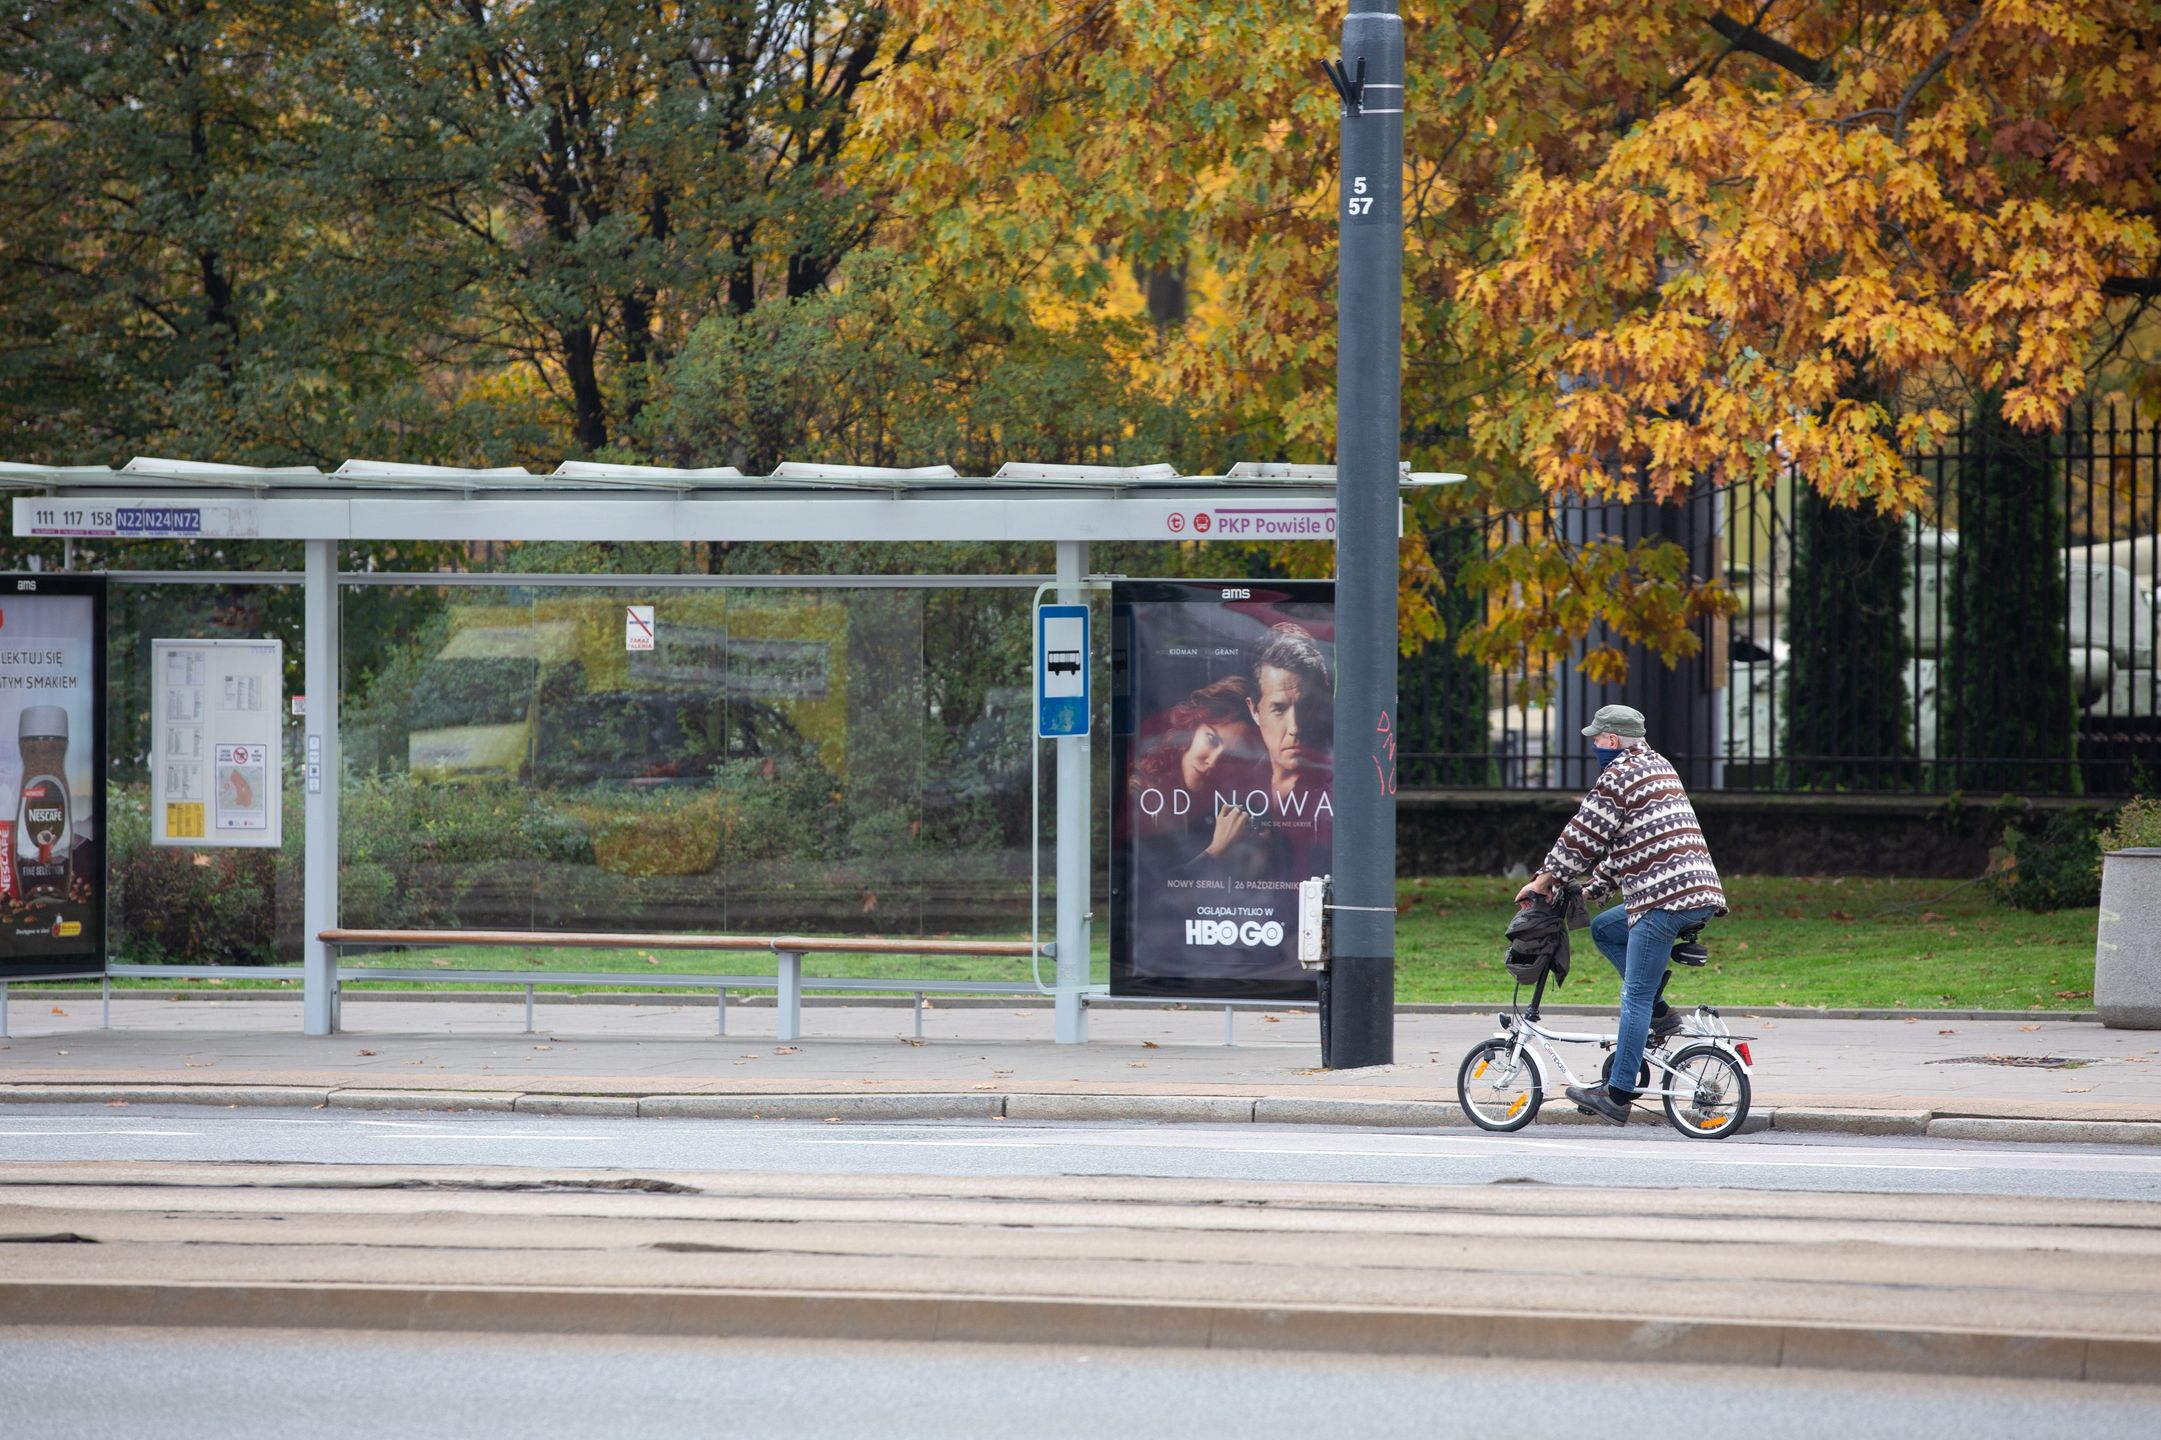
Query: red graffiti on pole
<point>1385,774</point>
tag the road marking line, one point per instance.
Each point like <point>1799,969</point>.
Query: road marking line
<point>534,1139</point>
<point>1735,1160</point>
<point>101,1132</point>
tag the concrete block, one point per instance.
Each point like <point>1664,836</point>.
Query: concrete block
<point>421,1100</point>
<point>1172,1109</point>
<point>94,1094</point>
<point>2127,941</point>
<point>2123,1362</point>
<point>626,1105</point>
<point>825,1107</point>
<point>1934,1352</point>
<point>1283,1110</point>
<point>1350,1331</point>
<point>1807,1120</point>
<point>2092,1132</point>
<point>1620,1339</point>
<point>1017,1320</point>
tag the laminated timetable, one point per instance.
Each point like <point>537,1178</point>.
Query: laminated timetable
<point>216,775</point>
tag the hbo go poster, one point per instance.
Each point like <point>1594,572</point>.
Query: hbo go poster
<point>52,775</point>
<point>1222,727</point>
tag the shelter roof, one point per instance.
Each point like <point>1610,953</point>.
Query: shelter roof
<point>154,497</point>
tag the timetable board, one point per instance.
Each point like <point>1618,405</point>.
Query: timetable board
<point>216,774</point>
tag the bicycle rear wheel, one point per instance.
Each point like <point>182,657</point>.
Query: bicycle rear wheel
<point>1708,1092</point>
<point>1498,1086</point>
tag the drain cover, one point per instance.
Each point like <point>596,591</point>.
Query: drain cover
<point>2020,1062</point>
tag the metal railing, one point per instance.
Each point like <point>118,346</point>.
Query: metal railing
<point>1723,716</point>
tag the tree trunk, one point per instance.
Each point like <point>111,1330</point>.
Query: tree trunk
<point>589,426</point>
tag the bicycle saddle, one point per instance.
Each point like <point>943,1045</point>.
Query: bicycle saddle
<point>1688,948</point>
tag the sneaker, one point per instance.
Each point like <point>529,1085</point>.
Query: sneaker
<point>1666,1023</point>
<point>1598,1100</point>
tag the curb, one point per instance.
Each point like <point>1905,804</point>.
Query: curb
<point>512,994</point>
<point>2097,1132</point>
<point>1032,1106</point>
<point>994,1320</point>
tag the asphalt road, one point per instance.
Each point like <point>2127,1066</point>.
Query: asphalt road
<point>91,1384</point>
<point>1647,1158</point>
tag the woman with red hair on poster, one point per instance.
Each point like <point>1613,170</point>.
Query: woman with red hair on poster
<point>1204,746</point>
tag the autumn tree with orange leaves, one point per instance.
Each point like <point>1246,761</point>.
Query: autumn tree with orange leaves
<point>1651,245</point>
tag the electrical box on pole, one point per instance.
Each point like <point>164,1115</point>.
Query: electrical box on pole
<point>1360,1015</point>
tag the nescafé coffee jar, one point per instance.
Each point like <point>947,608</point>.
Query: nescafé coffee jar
<point>44,821</point>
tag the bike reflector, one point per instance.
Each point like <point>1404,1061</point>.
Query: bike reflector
<point>1746,1058</point>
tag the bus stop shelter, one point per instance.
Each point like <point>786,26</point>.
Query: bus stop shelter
<point>1067,506</point>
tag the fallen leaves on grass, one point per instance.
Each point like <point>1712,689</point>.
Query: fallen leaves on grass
<point>1843,917</point>
<point>2073,994</point>
<point>1929,916</point>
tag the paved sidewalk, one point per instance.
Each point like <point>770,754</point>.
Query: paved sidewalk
<point>1949,1076</point>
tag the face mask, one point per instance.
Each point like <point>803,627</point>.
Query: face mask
<point>1606,754</point>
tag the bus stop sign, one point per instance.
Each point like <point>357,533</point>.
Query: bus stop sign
<point>1061,671</point>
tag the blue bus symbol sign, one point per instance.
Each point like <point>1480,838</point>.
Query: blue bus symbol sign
<point>1061,671</point>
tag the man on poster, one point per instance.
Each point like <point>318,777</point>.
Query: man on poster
<point>1293,708</point>
<point>1228,778</point>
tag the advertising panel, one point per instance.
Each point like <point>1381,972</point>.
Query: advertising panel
<point>52,775</point>
<point>1222,720</point>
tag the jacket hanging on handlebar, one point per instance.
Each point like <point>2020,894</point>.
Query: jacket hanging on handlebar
<point>1538,936</point>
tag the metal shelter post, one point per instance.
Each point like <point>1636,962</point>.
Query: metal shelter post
<point>1369,433</point>
<point>319,907</point>
<point>1073,828</point>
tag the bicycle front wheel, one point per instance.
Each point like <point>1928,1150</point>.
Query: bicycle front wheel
<point>1707,1093</point>
<point>1498,1086</point>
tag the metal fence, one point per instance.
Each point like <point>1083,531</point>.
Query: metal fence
<point>1723,715</point>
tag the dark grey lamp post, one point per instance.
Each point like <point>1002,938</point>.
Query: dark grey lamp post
<point>1360,1014</point>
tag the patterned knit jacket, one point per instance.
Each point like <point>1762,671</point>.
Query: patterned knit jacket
<point>1637,829</point>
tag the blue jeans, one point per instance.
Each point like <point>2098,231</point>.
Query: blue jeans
<point>1639,952</point>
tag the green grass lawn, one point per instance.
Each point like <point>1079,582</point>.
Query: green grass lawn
<point>1900,944</point>
<point>1858,943</point>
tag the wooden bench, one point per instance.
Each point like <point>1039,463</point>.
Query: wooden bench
<point>787,983</point>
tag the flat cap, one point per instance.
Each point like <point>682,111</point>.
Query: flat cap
<point>1616,720</point>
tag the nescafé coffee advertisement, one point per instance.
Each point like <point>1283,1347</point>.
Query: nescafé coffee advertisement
<point>1223,745</point>
<point>52,775</point>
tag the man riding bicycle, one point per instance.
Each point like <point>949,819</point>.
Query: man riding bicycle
<point>1635,830</point>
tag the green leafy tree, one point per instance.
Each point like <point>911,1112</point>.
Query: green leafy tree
<point>147,300</point>
<point>565,187</point>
